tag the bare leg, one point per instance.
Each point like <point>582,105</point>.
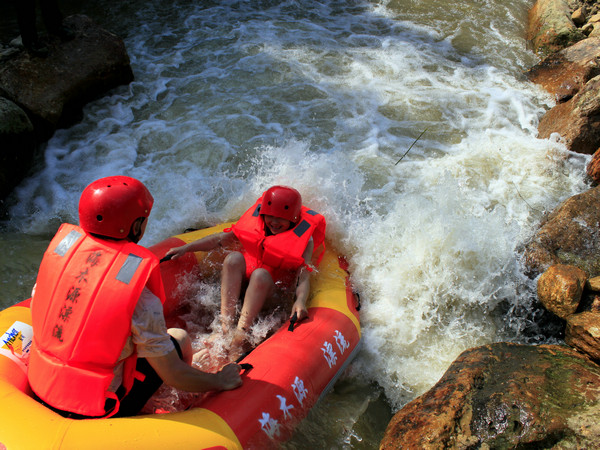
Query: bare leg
<point>260,287</point>
<point>234,270</point>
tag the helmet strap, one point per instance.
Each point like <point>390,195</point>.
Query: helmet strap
<point>135,233</point>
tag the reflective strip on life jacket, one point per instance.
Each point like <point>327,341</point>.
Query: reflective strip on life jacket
<point>129,268</point>
<point>66,243</point>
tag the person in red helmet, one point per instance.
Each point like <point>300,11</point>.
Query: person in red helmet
<point>100,346</point>
<point>278,236</point>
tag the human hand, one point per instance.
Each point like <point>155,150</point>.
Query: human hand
<point>229,376</point>
<point>299,309</point>
<point>176,252</point>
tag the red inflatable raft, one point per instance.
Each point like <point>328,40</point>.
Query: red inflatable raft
<point>290,371</point>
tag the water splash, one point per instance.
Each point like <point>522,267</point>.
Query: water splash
<point>231,97</point>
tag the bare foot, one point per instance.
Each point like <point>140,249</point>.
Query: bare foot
<point>215,352</point>
<point>201,358</point>
<point>239,345</point>
<point>213,339</point>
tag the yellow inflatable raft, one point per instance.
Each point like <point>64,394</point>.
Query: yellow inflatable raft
<point>291,370</point>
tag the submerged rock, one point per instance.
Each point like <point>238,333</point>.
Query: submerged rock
<point>505,396</point>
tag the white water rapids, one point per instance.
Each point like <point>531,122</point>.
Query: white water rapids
<point>231,97</point>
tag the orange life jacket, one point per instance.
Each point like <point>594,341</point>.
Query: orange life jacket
<point>86,292</point>
<point>284,250</point>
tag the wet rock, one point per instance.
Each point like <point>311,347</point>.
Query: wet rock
<point>569,235</point>
<point>560,289</point>
<point>583,333</point>
<point>17,145</point>
<point>53,90</point>
<point>593,167</point>
<point>505,396</point>
<point>577,121</point>
<point>550,27</point>
<point>566,72</point>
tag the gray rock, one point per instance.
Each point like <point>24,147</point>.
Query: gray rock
<point>53,90</point>
<point>17,145</point>
<point>49,93</point>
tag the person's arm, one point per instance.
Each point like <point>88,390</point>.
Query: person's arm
<point>154,343</point>
<point>204,244</point>
<point>176,373</point>
<point>303,286</point>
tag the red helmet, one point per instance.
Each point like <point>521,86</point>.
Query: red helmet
<point>282,201</point>
<point>110,205</point>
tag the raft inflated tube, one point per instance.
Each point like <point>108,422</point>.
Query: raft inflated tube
<point>290,372</point>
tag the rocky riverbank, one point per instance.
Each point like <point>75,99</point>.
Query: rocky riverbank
<point>41,94</point>
<point>507,395</point>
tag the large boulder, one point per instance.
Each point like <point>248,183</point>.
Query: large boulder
<point>569,235</point>
<point>505,396</point>
<point>550,27</point>
<point>53,90</point>
<point>577,121</point>
<point>566,72</point>
<point>17,145</point>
